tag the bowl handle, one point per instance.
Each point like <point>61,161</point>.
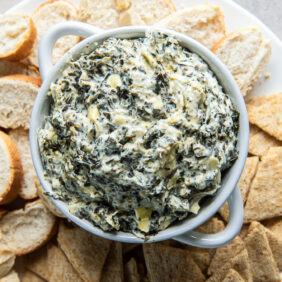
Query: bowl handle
<point>201,240</point>
<point>53,34</point>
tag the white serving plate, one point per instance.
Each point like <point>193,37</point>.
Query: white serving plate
<point>235,17</point>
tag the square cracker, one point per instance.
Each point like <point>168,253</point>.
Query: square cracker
<point>254,129</point>
<point>244,183</point>
<point>225,253</point>
<point>60,267</point>
<point>265,196</point>
<point>86,252</point>
<point>267,114</point>
<point>260,143</point>
<point>239,262</point>
<point>262,263</point>
<point>113,268</point>
<point>233,276</point>
<point>168,264</point>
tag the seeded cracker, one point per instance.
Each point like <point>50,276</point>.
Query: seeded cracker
<point>240,263</point>
<point>244,183</point>
<point>225,253</point>
<point>233,276</point>
<point>260,143</point>
<point>168,264</point>
<point>265,196</point>
<point>60,267</point>
<point>131,272</point>
<point>267,115</point>
<point>86,252</point>
<point>113,268</point>
<point>261,259</point>
<point>37,262</point>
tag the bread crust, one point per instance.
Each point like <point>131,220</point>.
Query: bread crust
<point>22,77</point>
<point>16,171</point>
<point>25,47</point>
<point>50,2</point>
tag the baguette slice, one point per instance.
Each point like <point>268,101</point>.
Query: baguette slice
<point>145,12</point>
<point>17,95</point>
<point>204,23</point>
<point>102,14</point>
<point>45,16</point>
<point>28,188</point>
<point>7,261</point>
<point>246,54</point>
<point>17,36</point>
<point>12,276</point>
<point>9,68</point>
<point>24,230</point>
<point>11,169</point>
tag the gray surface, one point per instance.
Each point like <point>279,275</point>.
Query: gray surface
<point>268,11</point>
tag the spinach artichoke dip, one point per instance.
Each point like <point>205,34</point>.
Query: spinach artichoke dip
<point>139,131</point>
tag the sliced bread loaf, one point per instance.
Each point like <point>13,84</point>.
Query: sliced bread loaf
<point>102,14</point>
<point>28,188</point>
<point>47,15</point>
<point>17,36</point>
<point>25,230</point>
<point>145,12</point>
<point>9,68</point>
<point>204,23</point>
<point>11,169</point>
<point>246,54</point>
<point>17,94</point>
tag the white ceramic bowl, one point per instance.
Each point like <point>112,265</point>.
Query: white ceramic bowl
<point>229,190</point>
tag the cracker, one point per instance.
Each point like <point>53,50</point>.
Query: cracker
<point>240,263</point>
<point>267,114</point>
<point>131,271</point>
<point>225,253</point>
<point>265,196</point>
<point>203,256</point>
<point>168,264</point>
<point>7,261</point>
<point>274,224</point>
<point>37,262</point>
<point>244,184</point>
<point>113,268</point>
<point>86,252</point>
<point>244,231</point>
<point>260,143</point>
<point>60,267</point>
<point>262,263</point>
<point>253,130</point>
<point>31,277</point>
<point>275,243</point>
<point>233,276</point>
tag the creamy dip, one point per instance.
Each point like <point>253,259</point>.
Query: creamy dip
<point>139,131</point>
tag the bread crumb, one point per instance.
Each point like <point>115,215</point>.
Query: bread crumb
<point>267,75</point>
